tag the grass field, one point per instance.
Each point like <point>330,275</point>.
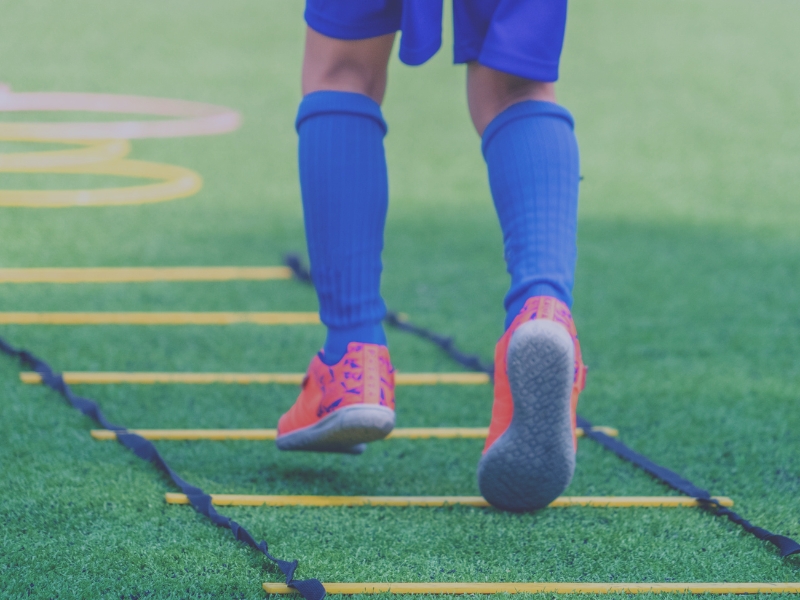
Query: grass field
<point>687,301</point>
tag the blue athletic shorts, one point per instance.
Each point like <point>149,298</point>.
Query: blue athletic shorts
<point>521,37</point>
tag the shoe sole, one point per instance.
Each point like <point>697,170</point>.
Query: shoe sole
<point>532,463</point>
<point>346,430</point>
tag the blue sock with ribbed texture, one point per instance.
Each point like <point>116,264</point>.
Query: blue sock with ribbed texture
<point>345,193</point>
<point>532,157</point>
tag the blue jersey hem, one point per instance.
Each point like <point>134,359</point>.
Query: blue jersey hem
<point>417,56</point>
<point>466,50</point>
<point>348,31</point>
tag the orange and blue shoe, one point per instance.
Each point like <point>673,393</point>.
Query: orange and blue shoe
<point>529,456</point>
<point>344,406</point>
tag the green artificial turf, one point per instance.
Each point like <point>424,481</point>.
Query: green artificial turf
<point>686,299</point>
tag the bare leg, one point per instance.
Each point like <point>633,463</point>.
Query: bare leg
<point>357,66</point>
<point>490,92</point>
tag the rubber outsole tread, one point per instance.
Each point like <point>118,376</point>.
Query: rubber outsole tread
<point>532,463</point>
<point>346,430</point>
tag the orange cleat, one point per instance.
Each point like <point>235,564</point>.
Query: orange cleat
<point>529,456</point>
<point>341,407</point>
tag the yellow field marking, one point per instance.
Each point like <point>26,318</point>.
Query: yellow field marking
<point>141,274</point>
<point>423,433</point>
<point>412,433</point>
<point>188,118</point>
<point>175,182</point>
<point>112,377</point>
<point>432,501</point>
<point>547,588</point>
<point>88,153</point>
<point>103,146</point>
<point>158,318</point>
<point>148,378</point>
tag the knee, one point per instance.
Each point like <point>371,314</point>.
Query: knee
<point>345,73</point>
<point>490,92</point>
<point>346,65</point>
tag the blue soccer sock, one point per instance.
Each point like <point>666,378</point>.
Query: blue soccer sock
<point>532,157</point>
<point>345,198</point>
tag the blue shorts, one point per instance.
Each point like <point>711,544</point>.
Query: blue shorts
<point>521,37</point>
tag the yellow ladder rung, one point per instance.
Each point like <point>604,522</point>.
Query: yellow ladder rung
<point>547,588</point>
<point>112,377</point>
<point>158,318</point>
<point>270,434</point>
<point>141,274</point>
<point>433,501</point>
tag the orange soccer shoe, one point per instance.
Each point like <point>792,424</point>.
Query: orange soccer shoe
<point>529,456</point>
<point>341,407</point>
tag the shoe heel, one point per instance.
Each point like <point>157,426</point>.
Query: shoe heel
<point>532,463</point>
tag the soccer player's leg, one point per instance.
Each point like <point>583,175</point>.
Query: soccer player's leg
<point>532,159</point>
<point>347,396</point>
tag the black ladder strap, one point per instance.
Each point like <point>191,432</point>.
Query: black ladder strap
<point>311,589</point>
